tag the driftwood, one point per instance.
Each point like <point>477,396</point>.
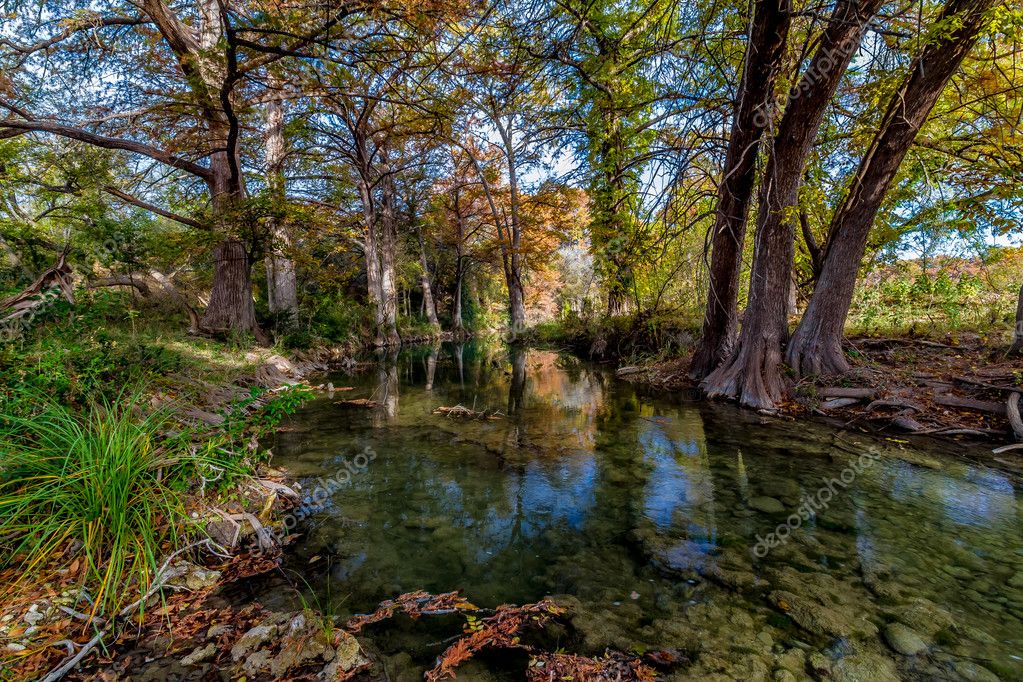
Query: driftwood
<point>55,281</point>
<point>907,424</point>
<point>358,402</point>
<point>902,403</point>
<point>971,404</point>
<point>837,403</point>
<point>466,413</point>
<point>121,281</point>
<point>840,392</point>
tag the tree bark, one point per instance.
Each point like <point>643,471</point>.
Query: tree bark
<point>231,308</point>
<point>429,305</point>
<point>371,255</point>
<point>816,347</point>
<point>752,373</point>
<point>764,50</point>
<point>388,243</point>
<point>281,282</point>
<point>456,304</point>
<point>513,269</point>
<point>1017,335</point>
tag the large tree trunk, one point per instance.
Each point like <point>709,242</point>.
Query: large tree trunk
<point>513,271</point>
<point>752,373</point>
<point>764,50</point>
<point>816,347</point>
<point>281,283</point>
<point>388,244</point>
<point>372,258</point>
<point>231,308</point>
<point>429,304</point>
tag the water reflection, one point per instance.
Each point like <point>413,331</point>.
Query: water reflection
<point>646,511</point>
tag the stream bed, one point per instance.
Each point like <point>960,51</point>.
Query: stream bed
<point>758,548</point>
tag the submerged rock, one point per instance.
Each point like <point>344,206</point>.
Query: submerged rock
<point>865,667</point>
<point>904,640</point>
<point>767,505</point>
<point>972,672</point>
<point>923,616</point>
<point>822,620</point>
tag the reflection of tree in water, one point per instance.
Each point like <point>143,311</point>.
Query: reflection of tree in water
<point>517,389</point>
<point>386,392</point>
<point>431,365</point>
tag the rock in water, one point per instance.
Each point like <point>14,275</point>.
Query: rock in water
<point>972,672</point>
<point>767,505</point>
<point>865,667</point>
<point>904,640</point>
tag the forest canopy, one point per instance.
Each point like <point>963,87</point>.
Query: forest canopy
<point>757,176</point>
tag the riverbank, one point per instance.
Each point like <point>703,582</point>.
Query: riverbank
<point>952,386</point>
<point>202,503</point>
<point>164,432</point>
<point>960,390</point>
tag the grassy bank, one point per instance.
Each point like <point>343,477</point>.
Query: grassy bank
<point>118,441</point>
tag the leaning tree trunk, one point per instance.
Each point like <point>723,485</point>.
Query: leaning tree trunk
<point>816,347</point>
<point>281,283</point>
<point>764,50</point>
<point>752,374</point>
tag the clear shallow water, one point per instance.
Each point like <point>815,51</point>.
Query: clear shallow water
<point>644,513</point>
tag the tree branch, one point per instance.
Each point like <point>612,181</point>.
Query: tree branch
<point>12,127</point>
<point>135,201</point>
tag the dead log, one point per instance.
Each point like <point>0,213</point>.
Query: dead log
<point>121,281</point>
<point>907,424</point>
<point>971,404</point>
<point>54,282</point>
<point>842,392</point>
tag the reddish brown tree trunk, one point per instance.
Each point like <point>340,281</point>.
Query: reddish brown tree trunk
<point>752,374</point>
<point>816,347</point>
<point>764,50</point>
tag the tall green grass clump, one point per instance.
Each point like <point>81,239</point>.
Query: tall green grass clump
<point>103,484</point>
